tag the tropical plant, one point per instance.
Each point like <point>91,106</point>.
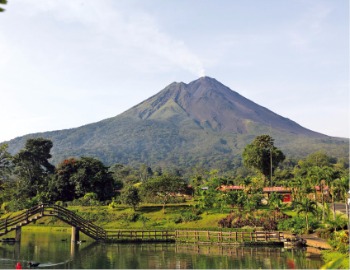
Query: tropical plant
<point>321,176</point>
<point>340,188</point>
<point>307,207</point>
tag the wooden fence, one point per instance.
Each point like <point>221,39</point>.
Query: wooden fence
<point>139,235</point>
<point>228,237</point>
<point>194,236</point>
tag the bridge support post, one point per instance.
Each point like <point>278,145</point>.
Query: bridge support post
<point>18,233</point>
<point>75,234</point>
<point>73,248</point>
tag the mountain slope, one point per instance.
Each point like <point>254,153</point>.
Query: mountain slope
<point>203,122</point>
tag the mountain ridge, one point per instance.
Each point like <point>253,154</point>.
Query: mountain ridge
<point>201,122</point>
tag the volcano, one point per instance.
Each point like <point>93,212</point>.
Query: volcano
<point>200,123</point>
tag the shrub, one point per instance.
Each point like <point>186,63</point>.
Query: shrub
<point>114,204</point>
<point>268,221</point>
<point>129,217</point>
<point>6,207</point>
<point>61,203</point>
<point>186,217</point>
<point>340,241</point>
<point>178,219</point>
<point>297,224</point>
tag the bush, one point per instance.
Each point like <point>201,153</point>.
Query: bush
<point>6,207</point>
<point>186,217</point>
<point>268,221</point>
<point>340,241</point>
<point>178,219</point>
<point>114,204</point>
<point>129,217</point>
<point>61,203</point>
<point>297,224</point>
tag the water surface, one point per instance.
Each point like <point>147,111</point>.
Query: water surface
<point>54,250</point>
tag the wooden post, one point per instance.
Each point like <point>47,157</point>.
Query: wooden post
<point>18,233</point>
<point>73,248</point>
<point>75,234</point>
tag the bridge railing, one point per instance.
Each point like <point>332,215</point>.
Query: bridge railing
<point>8,224</point>
<point>24,217</point>
<point>75,220</point>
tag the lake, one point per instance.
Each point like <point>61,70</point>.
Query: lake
<point>53,250</point>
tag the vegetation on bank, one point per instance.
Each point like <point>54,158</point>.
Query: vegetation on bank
<point>120,197</point>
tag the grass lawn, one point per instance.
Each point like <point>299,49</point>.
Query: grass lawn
<point>146,217</point>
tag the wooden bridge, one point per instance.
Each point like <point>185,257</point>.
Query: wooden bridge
<point>79,224</point>
<point>31,215</point>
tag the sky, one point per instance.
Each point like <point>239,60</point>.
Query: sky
<point>68,63</point>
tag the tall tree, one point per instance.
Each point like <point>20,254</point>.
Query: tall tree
<point>263,156</point>
<point>61,186</point>
<point>33,168</point>
<point>5,163</point>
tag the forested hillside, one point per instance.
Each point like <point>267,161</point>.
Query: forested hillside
<point>201,123</point>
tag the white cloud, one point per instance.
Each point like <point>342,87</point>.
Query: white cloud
<point>131,30</point>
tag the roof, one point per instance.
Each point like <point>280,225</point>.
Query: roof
<point>265,189</point>
<point>276,189</point>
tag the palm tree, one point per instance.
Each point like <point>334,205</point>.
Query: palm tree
<point>307,206</point>
<point>340,187</point>
<point>321,176</point>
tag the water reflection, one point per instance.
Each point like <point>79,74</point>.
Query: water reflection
<point>52,252</point>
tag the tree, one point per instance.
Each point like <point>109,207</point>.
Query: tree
<point>207,198</point>
<point>33,168</point>
<point>62,186</point>
<point>322,176</point>
<point>145,172</point>
<point>130,196</point>
<point>92,176</point>
<point>307,206</point>
<point>263,156</point>
<point>340,188</point>
<point>5,164</point>
<point>164,186</point>
<point>2,2</point>
<point>76,177</point>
